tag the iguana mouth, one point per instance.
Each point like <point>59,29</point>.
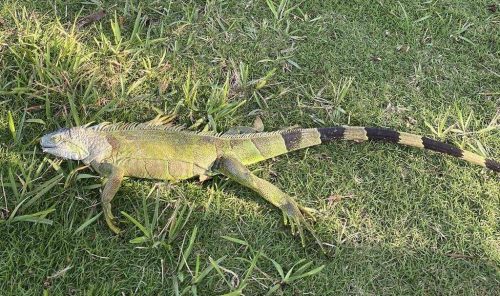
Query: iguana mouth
<point>50,150</point>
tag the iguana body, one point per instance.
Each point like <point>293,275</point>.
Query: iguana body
<point>158,150</point>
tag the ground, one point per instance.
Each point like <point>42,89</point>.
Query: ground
<point>394,220</point>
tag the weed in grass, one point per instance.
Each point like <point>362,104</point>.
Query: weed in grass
<point>169,232</point>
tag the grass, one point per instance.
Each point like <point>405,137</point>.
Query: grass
<point>396,220</point>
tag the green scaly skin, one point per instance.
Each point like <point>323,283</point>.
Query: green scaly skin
<point>158,150</point>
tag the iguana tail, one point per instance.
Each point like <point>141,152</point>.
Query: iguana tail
<point>301,138</point>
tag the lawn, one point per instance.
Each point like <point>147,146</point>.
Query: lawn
<point>394,220</point>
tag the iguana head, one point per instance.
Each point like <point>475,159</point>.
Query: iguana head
<point>77,143</point>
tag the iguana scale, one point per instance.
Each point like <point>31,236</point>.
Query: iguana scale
<point>158,150</point>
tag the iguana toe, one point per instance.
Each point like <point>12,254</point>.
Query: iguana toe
<point>309,212</point>
<point>111,221</point>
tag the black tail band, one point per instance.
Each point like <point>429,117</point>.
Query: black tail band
<point>492,164</point>
<point>331,133</point>
<point>382,134</point>
<point>442,147</point>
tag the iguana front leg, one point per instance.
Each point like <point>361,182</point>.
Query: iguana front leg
<point>114,180</point>
<point>292,211</point>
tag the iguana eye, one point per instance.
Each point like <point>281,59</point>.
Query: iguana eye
<point>56,138</point>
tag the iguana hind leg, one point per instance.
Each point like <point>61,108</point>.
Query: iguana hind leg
<point>292,211</point>
<point>115,177</point>
<point>240,130</point>
<point>257,127</point>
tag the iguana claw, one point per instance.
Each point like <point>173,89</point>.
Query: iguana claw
<point>293,214</point>
<point>111,220</point>
<point>112,225</point>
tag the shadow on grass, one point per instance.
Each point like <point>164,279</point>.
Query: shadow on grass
<point>40,257</point>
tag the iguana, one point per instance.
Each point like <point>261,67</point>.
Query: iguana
<point>159,150</point>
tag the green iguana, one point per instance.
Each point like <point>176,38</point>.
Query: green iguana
<point>159,150</point>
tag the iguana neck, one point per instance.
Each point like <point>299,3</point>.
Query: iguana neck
<point>98,145</point>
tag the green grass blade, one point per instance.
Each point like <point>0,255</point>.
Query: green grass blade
<point>235,240</point>
<point>42,189</point>
<point>12,126</point>
<point>306,274</point>
<point>87,223</point>
<point>206,271</point>
<point>143,229</point>
<point>38,217</point>
<point>187,252</point>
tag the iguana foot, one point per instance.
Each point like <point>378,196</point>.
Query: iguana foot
<point>293,215</point>
<point>257,127</point>
<point>112,225</point>
<point>111,220</point>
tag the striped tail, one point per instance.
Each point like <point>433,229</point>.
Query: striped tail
<point>301,138</point>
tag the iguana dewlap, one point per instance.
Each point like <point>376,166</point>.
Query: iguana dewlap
<point>158,150</point>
